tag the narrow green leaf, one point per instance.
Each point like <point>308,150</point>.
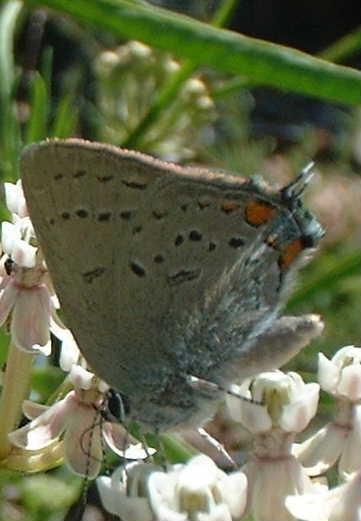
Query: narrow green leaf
<point>224,13</point>
<point>346,266</point>
<point>46,68</point>
<point>263,62</point>
<point>171,90</point>
<point>343,48</point>
<point>8,17</point>
<point>9,125</point>
<point>45,380</point>
<point>176,450</point>
<point>65,119</point>
<point>36,128</point>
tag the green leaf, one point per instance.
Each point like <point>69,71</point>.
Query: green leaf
<point>65,119</point>
<point>337,271</point>
<point>176,450</point>
<point>171,90</point>
<point>263,62</point>
<point>8,17</point>
<point>9,125</point>
<point>343,48</point>
<point>46,380</point>
<point>36,128</point>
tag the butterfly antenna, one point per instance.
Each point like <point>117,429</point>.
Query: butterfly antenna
<point>294,189</point>
<point>206,385</point>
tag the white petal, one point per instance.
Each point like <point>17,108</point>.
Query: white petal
<point>56,304</point>
<point>15,200</point>
<point>24,254</point>
<point>199,472</point>
<point>69,354</point>
<point>45,349</point>
<point>103,387</point>
<point>342,503</point>
<point>350,460</point>
<point>83,444</point>
<point>346,354</point>
<point>308,507</point>
<point>10,234</point>
<point>328,374</point>
<point>296,416</point>
<point>268,380</point>
<point>345,500</point>
<point>81,378</point>
<point>350,382</point>
<point>270,481</point>
<point>234,493</point>
<point>30,319</point>
<point>110,495</point>
<point>33,410</point>
<point>318,453</point>
<point>118,439</point>
<point>114,499</point>
<point>8,297</point>
<point>11,197</point>
<point>162,497</point>
<point>57,327</point>
<point>46,428</point>
<point>253,417</point>
<point>217,513</point>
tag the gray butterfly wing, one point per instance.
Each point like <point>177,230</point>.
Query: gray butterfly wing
<point>160,270</point>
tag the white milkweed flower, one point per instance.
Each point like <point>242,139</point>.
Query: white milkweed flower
<point>25,299</point>
<point>195,491</point>
<point>339,440</point>
<point>342,503</point>
<point>77,419</point>
<point>124,494</point>
<point>15,199</point>
<point>69,351</point>
<point>281,406</point>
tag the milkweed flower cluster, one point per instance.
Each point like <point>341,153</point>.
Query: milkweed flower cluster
<point>273,483</point>
<point>124,101</point>
<point>277,480</point>
<point>340,440</point>
<point>197,490</point>
<point>288,405</point>
<point>26,294</point>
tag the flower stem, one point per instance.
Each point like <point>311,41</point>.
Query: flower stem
<point>15,389</point>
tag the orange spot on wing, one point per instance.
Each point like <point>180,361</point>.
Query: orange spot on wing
<point>290,253</point>
<point>259,212</point>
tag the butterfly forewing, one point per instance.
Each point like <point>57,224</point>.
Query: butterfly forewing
<point>158,268</point>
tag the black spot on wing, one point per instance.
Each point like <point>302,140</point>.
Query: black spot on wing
<point>90,276</point>
<point>182,276</point>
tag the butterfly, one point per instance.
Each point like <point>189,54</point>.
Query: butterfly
<point>170,278</point>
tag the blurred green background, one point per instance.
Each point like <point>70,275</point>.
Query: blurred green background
<point>195,97</point>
